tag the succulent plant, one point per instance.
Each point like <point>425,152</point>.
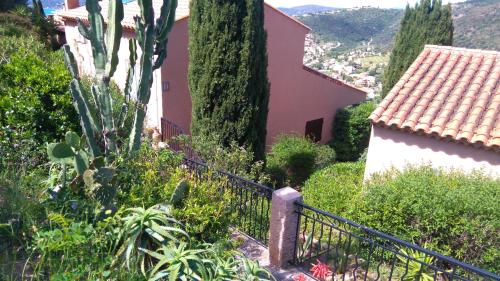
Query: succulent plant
<point>152,38</point>
<point>180,193</point>
<point>93,154</point>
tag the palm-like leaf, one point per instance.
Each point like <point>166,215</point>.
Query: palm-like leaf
<point>148,229</point>
<point>179,263</point>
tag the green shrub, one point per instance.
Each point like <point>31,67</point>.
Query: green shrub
<point>142,179</point>
<point>21,207</point>
<point>335,188</point>
<point>22,23</point>
<point>452,213</point>
<point>7,5</point>
<point>351,131</point>
<point>233,158</point>
<point>35,105</point>
<point>293,159</point>
<point>205,211</point>
<point>15,25</point>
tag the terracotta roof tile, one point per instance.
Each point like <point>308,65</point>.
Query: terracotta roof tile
<point>449,93</point>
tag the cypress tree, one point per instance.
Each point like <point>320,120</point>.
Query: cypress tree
<point>228,72</point>
<point>427,23</point>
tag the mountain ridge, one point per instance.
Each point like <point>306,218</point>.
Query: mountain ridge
<point>476,25</point>
<point>305,9</point>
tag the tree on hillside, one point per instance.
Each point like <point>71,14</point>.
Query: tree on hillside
<point>228,72</point>
<point>6,5</point>
<point>429,22</point>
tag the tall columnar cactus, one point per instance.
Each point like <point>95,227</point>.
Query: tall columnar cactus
<point>96,109</point>
<point>94,166</point>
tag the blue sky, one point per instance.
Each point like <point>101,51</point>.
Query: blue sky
<point>348,3</point>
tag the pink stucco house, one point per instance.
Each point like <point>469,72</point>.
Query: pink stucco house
<point>444,111</point>
<point>301,99</point>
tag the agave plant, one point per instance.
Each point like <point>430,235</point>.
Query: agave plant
<point>178,262</point>
<point>414,263</point>
<point>146,229</point>
<point>252,271</point>
<point>204,263</point>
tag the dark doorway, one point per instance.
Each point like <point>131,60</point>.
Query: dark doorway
<point>314,129</point>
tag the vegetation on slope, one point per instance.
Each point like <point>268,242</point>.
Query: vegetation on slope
<point>453,213</point>
<point>477,24</point>
<point>352,27</point>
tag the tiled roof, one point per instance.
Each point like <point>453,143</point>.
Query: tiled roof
<point>448,93</point>
<point>132,9</point>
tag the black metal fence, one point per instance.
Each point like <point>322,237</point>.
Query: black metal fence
<point>250,202</point>
<point>339,249</point>
<point>170,132</point>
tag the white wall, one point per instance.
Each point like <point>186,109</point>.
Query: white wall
<point>83,54</point>
<point>391,148</point>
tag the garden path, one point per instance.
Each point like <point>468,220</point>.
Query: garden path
<point>255,250</point>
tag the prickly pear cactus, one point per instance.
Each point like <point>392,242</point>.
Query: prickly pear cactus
<point>180,193</point>
<point>71,152</point>
<point>99,185</point>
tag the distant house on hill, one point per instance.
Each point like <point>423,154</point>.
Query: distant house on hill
<point>444,111</point>
<point>302,100</point>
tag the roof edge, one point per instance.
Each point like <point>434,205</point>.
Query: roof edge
<point>331,79</point>
<point>461,49</point>
<point>288,16</point>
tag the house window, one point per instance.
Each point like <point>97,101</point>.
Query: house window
<point>314,129</point>
<point>165,85</point>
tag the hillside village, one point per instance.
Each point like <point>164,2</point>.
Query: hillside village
<point>362,67</point>
<point>234,140</point>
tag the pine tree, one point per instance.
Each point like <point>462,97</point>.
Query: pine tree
<point>228,72</point>
<point>427,23</point>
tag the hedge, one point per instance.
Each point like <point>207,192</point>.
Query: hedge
<point>293,159</point>
<point>335,188</point>
<point>351,131</point>
<point>450,212</point>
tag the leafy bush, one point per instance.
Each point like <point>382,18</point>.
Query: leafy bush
<point>23,22</point>
<point>205,210</point>
<point>351,131</point>
<point>20,206</point>
<point>143,178</point>
<point>335,188</point>
<point>15,25</point>
<point>6,5</point>
<point>233,158</point>
<point>293,159</point>
<point>452,213</point>
<point>35,105</point>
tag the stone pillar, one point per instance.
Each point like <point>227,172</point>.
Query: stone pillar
<point>71,4</point>
<point>283,226</point>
